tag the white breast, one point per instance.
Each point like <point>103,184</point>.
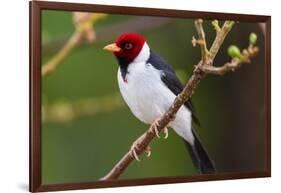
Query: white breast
<point>149,98</point>
<point>145,93</point>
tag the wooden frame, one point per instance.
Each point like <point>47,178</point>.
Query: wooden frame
<point>35,92</point>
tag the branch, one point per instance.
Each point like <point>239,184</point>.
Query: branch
<point>109,32</point>
<point>221,34</point>
<point>238,58</point>
<point>201,41</point>
<point>198,74</point>
<point>229,66</point>
<point>216,26</point>
<point>147,137</point>
<point>83,23</point>
<point>52,65</point>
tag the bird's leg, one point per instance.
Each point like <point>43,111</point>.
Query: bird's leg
<point>155,124</point>
<point>135,147</point>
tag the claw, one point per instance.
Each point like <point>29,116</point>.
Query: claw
<point>156,132</point>
<point>148,151</point>
<point>134,147</point>
<point>148,154</point>
<point>166,133</point>
<point>155,124</point>
<point>134,153</point>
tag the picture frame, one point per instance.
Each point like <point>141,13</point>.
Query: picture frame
<point>35,176</point>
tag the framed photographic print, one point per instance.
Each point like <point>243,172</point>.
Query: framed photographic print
<point>123,96</point>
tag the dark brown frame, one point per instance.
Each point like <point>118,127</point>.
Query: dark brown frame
<point>35,8</point>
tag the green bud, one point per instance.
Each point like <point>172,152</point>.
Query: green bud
<point>253,38</point>
<point>216,25</point>
<point>233,51</point>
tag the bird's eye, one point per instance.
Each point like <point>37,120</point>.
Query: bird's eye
<point>128,46</point>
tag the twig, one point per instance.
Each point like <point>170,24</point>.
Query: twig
<point>83,23</point>
<point>221,34</point>
<point>201,41</point>
<point>187,92</point>
<point>139,24</point>
<point>230,66</point>
<point>50,66</point>
<point>216,26</point>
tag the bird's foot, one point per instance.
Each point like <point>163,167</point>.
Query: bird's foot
<point>135,147</point>
<point>148,151</point>
<point>154,125</point>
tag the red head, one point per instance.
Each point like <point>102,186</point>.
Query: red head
<point>127,46</point>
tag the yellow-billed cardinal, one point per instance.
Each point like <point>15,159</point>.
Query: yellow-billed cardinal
<point>149,86</point>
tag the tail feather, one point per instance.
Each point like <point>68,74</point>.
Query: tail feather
<point>200,157</point>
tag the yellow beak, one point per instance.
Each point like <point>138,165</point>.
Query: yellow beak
<point>112,48</point>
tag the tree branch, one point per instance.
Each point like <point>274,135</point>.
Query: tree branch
<point>52,65</point>
<point>221,34</point>
<point>109,32</point>
<point>198,74</point>
<point>83,23</point>
<point>230,66</point>
<point>201,41</point>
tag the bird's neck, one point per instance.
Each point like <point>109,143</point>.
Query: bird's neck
<point>124,63</point>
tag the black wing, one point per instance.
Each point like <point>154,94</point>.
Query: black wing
<point>170,80</point>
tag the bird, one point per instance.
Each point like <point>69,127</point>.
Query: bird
<point>149,85</point>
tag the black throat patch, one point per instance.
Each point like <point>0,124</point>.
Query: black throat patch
<point>123,63</point>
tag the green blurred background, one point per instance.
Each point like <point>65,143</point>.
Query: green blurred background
<point>86,127</point>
